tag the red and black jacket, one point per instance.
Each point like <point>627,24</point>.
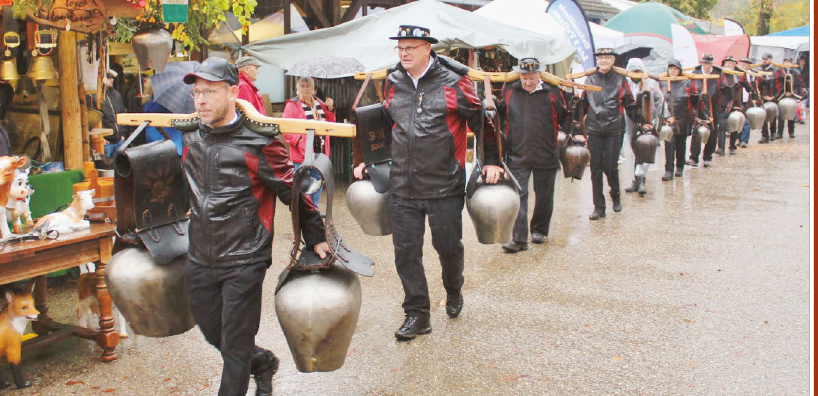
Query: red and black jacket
<point>233,176</point>
<point>605,110</point>
<point>429,130</point>
<point>532,123</point>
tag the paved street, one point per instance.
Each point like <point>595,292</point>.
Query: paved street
<point>702,287</point>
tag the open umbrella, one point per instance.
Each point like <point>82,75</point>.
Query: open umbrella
<point>326,66</point>
<point>170,91</point>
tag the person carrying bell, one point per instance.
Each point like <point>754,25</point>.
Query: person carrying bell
<point>683,100</point>
<point>533,112</point>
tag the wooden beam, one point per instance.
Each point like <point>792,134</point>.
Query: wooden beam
<point>352,10</point>
<point>287,17</point>
<point>318,13</point>
<point>69,101</point>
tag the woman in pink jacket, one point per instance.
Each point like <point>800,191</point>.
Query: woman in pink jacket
<point>307,106</point>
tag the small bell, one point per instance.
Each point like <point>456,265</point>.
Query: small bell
<point>8,70</point>
<point>43,69</point>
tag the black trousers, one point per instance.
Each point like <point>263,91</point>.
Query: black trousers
<point>675,149</point>
<point>543,201</point>
<point>604,159</point>
<point>710,145</point>
<point>226,304</point>
<point>408,227</point>
<point>790,127</point>
<point>769,129</point>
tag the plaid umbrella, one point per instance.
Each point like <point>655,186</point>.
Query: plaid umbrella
<point>326,67</point>
<point>170,91</point>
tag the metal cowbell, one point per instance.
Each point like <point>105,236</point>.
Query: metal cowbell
<point>43,69</point>
<point>152,47</point>
<point>8,70</point>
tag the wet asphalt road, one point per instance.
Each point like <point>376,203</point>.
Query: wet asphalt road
<point>702,287</point>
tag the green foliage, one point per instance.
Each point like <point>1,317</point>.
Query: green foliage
<point>784,14</point>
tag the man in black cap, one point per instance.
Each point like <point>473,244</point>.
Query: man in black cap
<point>734,81</point>
<point>767,88</point>
<point>233,177</point>
<point>533,112</point>
<point>605,126</point>
<point>749,97</point>
<point>429,99</point>
<point>788,83</point>
<point>719,97</point>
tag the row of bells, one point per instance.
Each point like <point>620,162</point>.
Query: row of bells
<point>42,69</point>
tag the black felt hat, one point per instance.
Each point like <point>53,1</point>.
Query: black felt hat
<point>528,65</point>
<point>414,32</point>
<point>605,51</point>
<point>706,58</point>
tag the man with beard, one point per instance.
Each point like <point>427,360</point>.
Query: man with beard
<point>233,176</point>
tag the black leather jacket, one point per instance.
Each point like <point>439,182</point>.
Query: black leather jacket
<point>605,111</point>
<point>683,100</point>
<point>719,90</point>
<point>233,176</point>
<point>429,130</point>
<point>532,123</point>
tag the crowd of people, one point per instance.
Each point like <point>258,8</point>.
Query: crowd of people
<point>431,103</point>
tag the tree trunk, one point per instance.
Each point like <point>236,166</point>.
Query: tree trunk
<point>765,13</point>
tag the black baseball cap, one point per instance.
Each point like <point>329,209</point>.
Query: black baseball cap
<point>214,69</point>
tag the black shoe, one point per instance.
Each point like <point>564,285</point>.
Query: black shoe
<point>642,181</point>
<point>706,164</point>
<point>772,137</point>
<point>743,145</point>
<point>515,246</point>
<point>679,172</point>
<point>792,136</point>
<point>780,136</point>
<point>720,152</point>
<point>733,151</point>
<point>454,304</point>
<point>668,176</point>
<point>538,238</point>
<point>763,140</point>
<point>598,214</point>
<point>634,187</point>
<point>692,164</point>
<point>617,203</point>
<point>413,326</point>
<point>264,365</point>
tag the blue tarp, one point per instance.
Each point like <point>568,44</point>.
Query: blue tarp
<point>799,31</point>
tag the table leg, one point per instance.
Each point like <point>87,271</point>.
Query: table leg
<point>40,303</point>
<point>107,338</point>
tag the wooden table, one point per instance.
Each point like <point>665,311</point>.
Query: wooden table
<point>35,259</point>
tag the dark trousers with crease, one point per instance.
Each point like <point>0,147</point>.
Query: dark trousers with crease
<point>408,227</point>
<point>543,201</point>
<point>604,159</point>
<point>226,304</point>
<point>675,149</point>
<point>768,129</point>
<point>710,145</point>
<point>790,127</point>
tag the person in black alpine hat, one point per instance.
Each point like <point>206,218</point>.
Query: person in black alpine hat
<point>429,100</point>
<point>233,177</point>
<point>767,88</point>
<point>720,95</point>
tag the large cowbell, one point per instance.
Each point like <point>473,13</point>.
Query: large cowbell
<point>735,121</point>
<point>318,300</point>
<point>786,108</point>
<point>756,115</point>
<point>493,208</point>
<point>152,47</point>
<point>150,296</point>
<point>771,108</point>
<point>146,275</point>
<point>575,159</point>
<point>368,199</point>
<point>644,148</point>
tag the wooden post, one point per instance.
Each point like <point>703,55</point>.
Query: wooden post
<point>69,101</point>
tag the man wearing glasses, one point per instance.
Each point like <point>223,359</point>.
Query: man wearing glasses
<point>233,177</point>
<point>429,100</point>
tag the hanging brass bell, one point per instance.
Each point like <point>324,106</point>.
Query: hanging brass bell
<point>8,70</point>
<point>43,69</point>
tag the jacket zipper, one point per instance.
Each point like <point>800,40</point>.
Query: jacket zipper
<point>208,190</point>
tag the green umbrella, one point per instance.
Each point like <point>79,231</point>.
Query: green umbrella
<point>653,19</point>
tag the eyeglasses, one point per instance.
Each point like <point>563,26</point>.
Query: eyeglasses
<point>408,50</point>
<point>208,94</point>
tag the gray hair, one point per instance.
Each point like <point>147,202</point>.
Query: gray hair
<point>307,80</point>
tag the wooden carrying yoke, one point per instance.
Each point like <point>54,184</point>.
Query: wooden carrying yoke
<point>477,75</point>
<point>283,125</point>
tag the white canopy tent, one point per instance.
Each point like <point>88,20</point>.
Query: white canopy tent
<point>367,39</point>
<point>531,15</point>
<point>779,46</point>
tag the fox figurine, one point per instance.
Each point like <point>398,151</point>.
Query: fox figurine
<point>18,312</point>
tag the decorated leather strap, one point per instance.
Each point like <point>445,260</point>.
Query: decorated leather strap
<point>301,258</point>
